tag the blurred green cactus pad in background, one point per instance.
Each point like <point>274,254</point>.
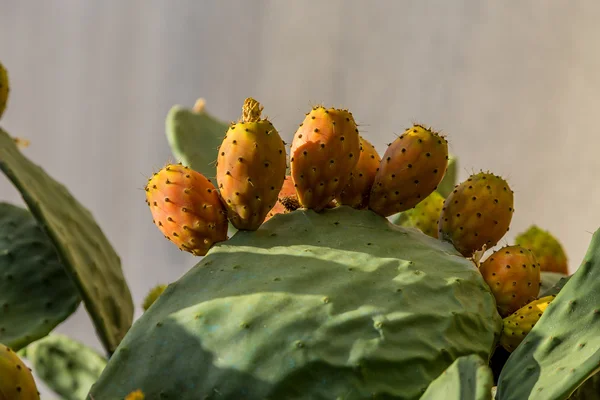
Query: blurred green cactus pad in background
<point>89,258</point>
<point>337,305</point>
<point>36,294</point>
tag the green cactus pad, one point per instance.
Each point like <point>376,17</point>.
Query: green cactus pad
<point>86,253</point>
<point>35,291</point>
<point>468,378</point>
<point>563,348</point>
<point>549,280</point>
<point>340,304</point>
<point>450,177</point>
<point>556,288</point>
<point>590,390</point>
<point>195,138</point>
<point>66,366</point>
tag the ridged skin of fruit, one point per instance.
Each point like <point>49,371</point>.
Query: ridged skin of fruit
<point>16,380</point>
<point>478,212</point>
<point>152,295</point>
<point>251,168</point>
<point>425,215</point>
<point>519,324</point>
<point>324,152</point>
<point>4,89</point>
<point>410,170</point>
<point>513,275</point>
<point>187,209</point>
<point>547,249</point>
<point>356,193</point>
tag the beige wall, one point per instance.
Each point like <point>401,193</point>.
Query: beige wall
<point>516,89</point>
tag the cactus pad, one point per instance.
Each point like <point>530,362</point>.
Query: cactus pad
<point>468,378</point>
<point>35,291</point>
<point>450,178</point>
<point>194,137</point>
<point>4,89</point>
<point>310,306</point>
<point>86,253</point>
<point>563,349</point>
<point>68,367</point>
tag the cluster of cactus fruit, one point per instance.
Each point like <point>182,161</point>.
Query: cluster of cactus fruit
<point>327,272</point>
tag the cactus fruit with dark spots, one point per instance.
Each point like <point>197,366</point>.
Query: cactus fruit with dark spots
<point>410,170</point>
<point>424,216</point>
<point>287,200</point>
<point>16,380</point>
<point>519,324</point>
<point>356,193</point>
<point>251,168</point>
<point>477,213</point>
<point>547,249</point>
<point>4,89</point>
<point>324,152</point>
<point>513,275</point>
<point>186,208</point>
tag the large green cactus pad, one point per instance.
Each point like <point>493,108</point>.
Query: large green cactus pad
<point>36,294</point>
<point>468,378</point>
<point>336,305</point>
<point>67,366</point>
<point>194,137</point>
<point>563,348</point>
<point>86,253</point>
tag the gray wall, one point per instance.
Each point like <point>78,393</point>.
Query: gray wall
<point>516,89</point>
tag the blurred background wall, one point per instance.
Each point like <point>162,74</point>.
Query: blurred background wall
<point>515,87</point>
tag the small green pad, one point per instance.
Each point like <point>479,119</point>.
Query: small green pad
<point>195,138</point>
<point>468,378</point>
<point>36,294</point>
<point>68,367</point>
<point>86,253</point>
<point>563,349</point>
<point>447,184</point>
<point>549,281</point>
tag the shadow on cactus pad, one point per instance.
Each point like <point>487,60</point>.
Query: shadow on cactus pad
<point>35,291</point>
<point>334,305</point>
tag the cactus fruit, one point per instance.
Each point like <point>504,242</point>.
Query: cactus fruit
<point>547,249</point>
<point>356,193</point>
<point>477,213</point>
<point>310,306</point>
<point>186,208</point>
<point>287,200</point>
<point>324,152</point>
<point>513,275</point>
<point>152,295</point>
<point>135,395</point>
<point>519,324</point>
<point>16,380</point>
<point>251,168</point>
<point>4,89</point>
<point>410,170</point>
<point>424,216</point>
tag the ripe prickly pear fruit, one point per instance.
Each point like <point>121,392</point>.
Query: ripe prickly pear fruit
<point>513,275</point>
<point>356,193</point>
<point>478,212</point>
<point>547,249</point>
<point>324,152</point>
<point>410,170</point>
<point>4,89</point>
<point>251,168</point>
<point>152,295</point>
<point>135,395</point>
<point>16,380</point>
<point>519,324</point>
<point>424,216</point>
<point>186,208</point>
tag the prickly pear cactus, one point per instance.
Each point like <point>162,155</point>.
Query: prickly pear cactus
<point>340,304</point>
<point>562,350</point>
<point>4,89</point>
<point>35,291</point>
<point>67,366</point>
<point>468,378</point>
<point>519,324</point>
